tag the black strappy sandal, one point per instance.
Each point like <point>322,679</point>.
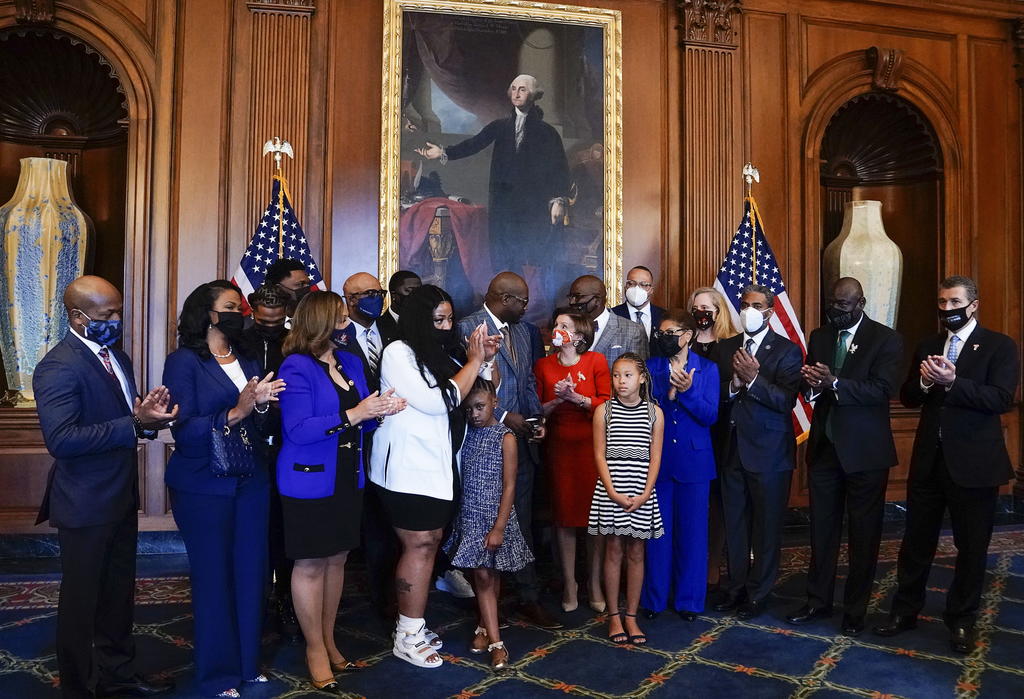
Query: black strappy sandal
<point>639,639</point>
<point>621,638</point>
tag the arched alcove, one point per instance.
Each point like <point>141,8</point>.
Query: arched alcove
<point>880,146</point>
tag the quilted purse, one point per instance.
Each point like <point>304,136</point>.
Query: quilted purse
<point>232,452</point>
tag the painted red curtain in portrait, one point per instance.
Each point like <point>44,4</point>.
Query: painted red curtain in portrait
<point>469,224</point>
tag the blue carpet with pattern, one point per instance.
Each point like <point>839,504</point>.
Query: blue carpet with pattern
<point>716,656</point>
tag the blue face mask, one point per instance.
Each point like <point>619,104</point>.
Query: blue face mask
<point>345,337</point>
<point>371,306</point>
<point>102,332</point>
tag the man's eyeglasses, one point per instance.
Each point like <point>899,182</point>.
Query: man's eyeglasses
<point>647,286</point>
<point>369,294</point>
<point>524,301</point>
<point>578,298</point>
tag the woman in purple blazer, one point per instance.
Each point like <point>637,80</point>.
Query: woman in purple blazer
<point>320,475</point>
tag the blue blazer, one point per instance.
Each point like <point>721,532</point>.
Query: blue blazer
<point>88,429</point>
<point>204,394</point>
<point>308,461</point>
<point>687,454</point>
<point>518,389</point>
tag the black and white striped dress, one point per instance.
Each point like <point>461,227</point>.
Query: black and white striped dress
<point>628,454</point>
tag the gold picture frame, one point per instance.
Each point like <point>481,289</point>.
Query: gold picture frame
<point>395,125</point>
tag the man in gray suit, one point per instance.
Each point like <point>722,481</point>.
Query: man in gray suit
<point>504,305</point>
<point>613,334</point>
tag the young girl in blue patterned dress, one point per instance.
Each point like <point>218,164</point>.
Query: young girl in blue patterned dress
<point>627,445</point>
<point>485,534</point>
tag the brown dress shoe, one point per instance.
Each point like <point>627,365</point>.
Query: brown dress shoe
<point>533,613</point>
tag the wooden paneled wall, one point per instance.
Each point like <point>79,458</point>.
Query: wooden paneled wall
<point>706,87</point>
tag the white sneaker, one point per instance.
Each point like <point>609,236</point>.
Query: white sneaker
<point>455,584</point>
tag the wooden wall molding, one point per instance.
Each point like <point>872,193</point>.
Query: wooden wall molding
<point>888,67</point>
<point>709,21</point>
<point>1018,49</point>
<point>33,11</point>
<point>282,7</point>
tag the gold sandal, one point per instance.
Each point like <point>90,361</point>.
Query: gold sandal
<point>499,655</point>
<point>480,632</point>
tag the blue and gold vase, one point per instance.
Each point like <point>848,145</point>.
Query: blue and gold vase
<point>43,239</point>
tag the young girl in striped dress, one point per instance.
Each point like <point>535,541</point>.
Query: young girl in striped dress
<point>627,446</point>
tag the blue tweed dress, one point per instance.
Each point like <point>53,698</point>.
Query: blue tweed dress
<point>478,508</point>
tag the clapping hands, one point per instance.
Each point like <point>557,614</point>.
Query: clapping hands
<point>937,369</point>
<point>378,405</point>
<point>152,410</point>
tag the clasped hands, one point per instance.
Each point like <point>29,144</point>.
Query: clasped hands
<point>152,411</point>
<point>817,375</point>
<point>936,369</point>
<point>565,390</point>
<point>680,380</point>
<point>256,392</point>
<point>744,368</point>
<point>629,503</point>
<point>380,405</point>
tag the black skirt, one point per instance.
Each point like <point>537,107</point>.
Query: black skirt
<point>416,513</point>
<point>322,527</point>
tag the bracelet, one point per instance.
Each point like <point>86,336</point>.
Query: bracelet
<point>140,431</point>
<point>380,419</point>
<point>266,407</point>
<point>583,402</point>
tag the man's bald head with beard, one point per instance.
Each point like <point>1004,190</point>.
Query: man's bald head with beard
<point>505,296</point>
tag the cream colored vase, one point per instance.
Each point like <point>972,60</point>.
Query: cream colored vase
<point>865,252</point>
<point>43,238</point>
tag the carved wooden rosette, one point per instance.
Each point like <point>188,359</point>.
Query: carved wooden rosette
<point>33,11</point>
<point>712,134</point>
<point>279,99</point>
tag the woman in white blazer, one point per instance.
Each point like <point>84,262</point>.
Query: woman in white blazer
<point>414,462</point>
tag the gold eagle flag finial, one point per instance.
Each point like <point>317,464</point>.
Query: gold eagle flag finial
<point>279,148</point>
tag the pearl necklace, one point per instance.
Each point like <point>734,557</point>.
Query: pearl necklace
<point>223,356</point>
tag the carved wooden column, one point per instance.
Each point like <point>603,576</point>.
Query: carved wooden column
<point>712,135</point>
<point>278,98</point>
<point>1018,50</point>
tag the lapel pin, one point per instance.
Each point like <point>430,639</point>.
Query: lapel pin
<point>976,347</point>
<point>766,348</point>
<point>853,348</point>
<point>580,374</point>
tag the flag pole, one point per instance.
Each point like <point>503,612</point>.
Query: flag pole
<point>279,148</point>
<point>751,175</point>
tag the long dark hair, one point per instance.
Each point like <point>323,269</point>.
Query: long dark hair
<point>195,315</point>
<point>416,329</point>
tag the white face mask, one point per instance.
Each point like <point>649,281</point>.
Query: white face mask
<point>752,320</point>
<point>636,296</point>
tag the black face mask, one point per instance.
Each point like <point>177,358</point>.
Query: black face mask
<point>954,318</point>
<point>703,319</point>
<point>296,296</point>
<point>841,320</point>
<point>270,332</point>
<point>446,338</point>
<point>583,308</point>
<point>231,323</point>
<point>667,344</point>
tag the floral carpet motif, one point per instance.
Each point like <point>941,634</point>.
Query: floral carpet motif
<point>715,656</point>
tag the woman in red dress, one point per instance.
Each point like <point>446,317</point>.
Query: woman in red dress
<point>572,382</point>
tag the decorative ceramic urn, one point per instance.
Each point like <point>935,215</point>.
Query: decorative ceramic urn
<point>865,252</point>
<point>43,239</point>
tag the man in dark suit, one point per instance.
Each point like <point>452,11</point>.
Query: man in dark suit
<point>963,379</point>
<point>402,283</point>
<point>504,305</point>
<point>529,179</point>
<point>852,372</point>
<point>365,301</point>
<point>638,307</point>
<point>613,334</point>
<point>758,390</point>
<point>92,419</point>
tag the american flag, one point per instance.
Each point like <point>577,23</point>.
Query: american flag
<point>750,261</point>
<point>278,231</point>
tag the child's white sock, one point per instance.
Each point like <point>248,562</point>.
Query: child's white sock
<point>410,625</point>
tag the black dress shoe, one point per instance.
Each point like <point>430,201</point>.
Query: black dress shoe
<point>749,610</point>
<point>136,688</point>
<point>687,616</point>
<point>533,613</point>
<point>852,625</point>
<point>961,639</point>
<point>807,614</point>
<point>728,603</point>
<point>896,625</point>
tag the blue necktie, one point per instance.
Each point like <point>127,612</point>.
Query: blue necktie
<point>954,350</point>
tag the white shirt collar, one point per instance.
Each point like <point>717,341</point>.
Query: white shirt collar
<point>94,346</point>
<point>964,332</point>
<point>520,114</point>
<point>602,320</point>
<point>498,324</point>
<point>393,314</point>
<point>758,338</point>
<point>642,309</point>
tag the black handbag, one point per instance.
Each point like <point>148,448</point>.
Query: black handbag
<point>232,453</point>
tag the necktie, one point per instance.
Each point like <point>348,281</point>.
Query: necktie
<point>750,346</point>
<point>954,349</point>
<point>519,131</point>
<point>506,337</point>
<point>372,351</point>
<point>841,349</point>
<point>105,356</point>
<point>640,317</point>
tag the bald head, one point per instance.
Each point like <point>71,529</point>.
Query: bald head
<point>845,303</point>
<point>363,289</point>
<point>588,296</point>
<point>358,282</point>
<point>507,297</point>
<point>91,298</point>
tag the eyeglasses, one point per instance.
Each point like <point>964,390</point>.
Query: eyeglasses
<point>520,299</point>
<point>643,285</point>
<point>678,332</point>
<point>368,294</point>
<point>577,298</point>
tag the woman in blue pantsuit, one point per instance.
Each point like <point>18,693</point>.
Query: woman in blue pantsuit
<point>686,387</point>
<point>222,519</point>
